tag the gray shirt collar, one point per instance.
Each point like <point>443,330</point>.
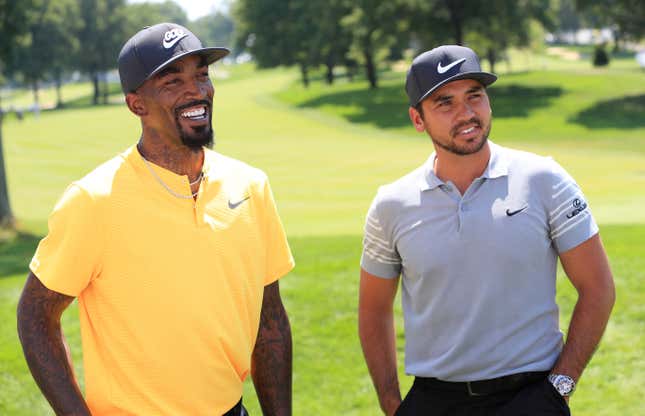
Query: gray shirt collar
<point>497,167</point>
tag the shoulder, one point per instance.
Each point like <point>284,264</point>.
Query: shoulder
<point>534,167</point>
<point>405,191</point>
<point>99,182</point>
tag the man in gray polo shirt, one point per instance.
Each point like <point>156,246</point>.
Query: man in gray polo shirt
<point>474,236</point>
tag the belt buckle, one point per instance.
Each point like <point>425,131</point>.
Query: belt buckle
<point>470,390</point>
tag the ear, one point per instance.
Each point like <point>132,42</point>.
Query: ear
<point>136,104</point>
<point>417,120</point>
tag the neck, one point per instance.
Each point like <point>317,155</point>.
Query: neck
<point>461,170</point>
<point>176,158</point>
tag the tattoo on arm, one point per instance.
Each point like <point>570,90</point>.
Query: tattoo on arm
<point>39,330</point>
<point>271,361</point>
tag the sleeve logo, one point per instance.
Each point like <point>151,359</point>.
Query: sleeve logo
<point>579,205</point>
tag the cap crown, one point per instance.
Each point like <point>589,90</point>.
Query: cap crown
<point>443,64</point>
<point>155,47</point>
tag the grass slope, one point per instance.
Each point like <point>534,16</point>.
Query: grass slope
<point>325,167</point>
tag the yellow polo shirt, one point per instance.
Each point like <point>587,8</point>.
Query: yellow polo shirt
<point>169,289</point>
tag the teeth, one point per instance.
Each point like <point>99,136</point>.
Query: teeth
<point>468,130</point>
<point>196,113</point>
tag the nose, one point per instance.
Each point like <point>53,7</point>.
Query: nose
<point>466,110</point>
<point>195,88</point>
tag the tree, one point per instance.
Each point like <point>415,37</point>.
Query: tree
<point>505,23</point>
<point>374,26</point>
<point>49,45</point>
<point>488,27</point>
<point>214,29</point>
<point>436,22</point>
<point>101,38</point>
<point>141,15</point>
<point>279,33</point>
<point>14,17</point>
<point>626,17</point>
<point>331,39</point>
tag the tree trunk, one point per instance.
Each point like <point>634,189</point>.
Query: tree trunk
<point>370,68</point>
<point>350,67</point>
<point>492,58</point>
<point>6,217</point>
<point>304,72</point>
<point>106,88</point>
<point>455,8</point>
<point>330,73</point>
<point>95,83</point>
<point>59,95</point>
<point>618,37</point>
<point>34,89</point>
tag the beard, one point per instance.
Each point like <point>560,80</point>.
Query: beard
<point>472,146</point>
<point>195,137</point>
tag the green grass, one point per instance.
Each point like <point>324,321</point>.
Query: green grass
<point>326,159</point>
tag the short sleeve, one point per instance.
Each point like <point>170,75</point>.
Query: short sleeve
<point>279,258</point>
<point>67,259</point>
<point>379,257</point>
<point>570,219</point>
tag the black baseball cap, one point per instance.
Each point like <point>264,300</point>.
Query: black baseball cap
<point>155,47</point>
<point>441,65</point>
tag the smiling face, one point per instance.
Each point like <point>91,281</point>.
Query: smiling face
<point>457,117</point>
<point>176,104</point>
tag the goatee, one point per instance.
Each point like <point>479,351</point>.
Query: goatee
<point>196,137</point>
<point>463,150</point>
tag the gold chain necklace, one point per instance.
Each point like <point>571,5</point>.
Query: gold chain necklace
<point>169,189</point>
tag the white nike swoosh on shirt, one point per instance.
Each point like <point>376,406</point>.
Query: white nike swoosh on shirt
<point>170,44</point>
<point>443,69</point>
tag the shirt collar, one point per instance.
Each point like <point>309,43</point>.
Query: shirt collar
<point>497,164</point>
<point>179,183</point>
<point>496,168</point>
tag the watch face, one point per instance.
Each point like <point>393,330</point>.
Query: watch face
<point>563,384</point>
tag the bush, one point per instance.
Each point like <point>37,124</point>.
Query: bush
<point>600,56</point>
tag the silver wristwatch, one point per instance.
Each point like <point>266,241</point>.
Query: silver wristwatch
<point>563,384</point>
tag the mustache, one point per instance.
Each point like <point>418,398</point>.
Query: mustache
<point>182,107</point>
<point>477,122</point>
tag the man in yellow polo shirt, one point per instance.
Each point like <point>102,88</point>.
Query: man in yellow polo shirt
<point>174,252</point>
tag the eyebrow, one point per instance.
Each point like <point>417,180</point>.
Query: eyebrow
<point>168,70</point>
<point>174,69</point>
<point>447,97</point>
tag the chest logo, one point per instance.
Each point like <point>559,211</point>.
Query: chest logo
<point>517,211</point>
<point>233,205</point>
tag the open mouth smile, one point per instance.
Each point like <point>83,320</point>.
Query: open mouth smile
<point>195,111</point>
<point>467,128</point>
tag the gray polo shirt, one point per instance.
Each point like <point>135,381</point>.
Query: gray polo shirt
<point>478,271</point>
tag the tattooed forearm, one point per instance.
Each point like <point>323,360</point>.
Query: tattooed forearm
<point>271,362</point>
<point>39,312</point>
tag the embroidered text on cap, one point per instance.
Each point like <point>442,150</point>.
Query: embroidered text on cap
<point>171,37</point>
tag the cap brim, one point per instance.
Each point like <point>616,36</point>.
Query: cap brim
<point>211,55</point>
<point>486,78</point>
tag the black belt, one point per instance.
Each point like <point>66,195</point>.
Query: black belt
<point>483,387</point>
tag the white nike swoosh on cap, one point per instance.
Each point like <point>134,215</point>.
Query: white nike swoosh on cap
<point>170,44</point>
<point>443,69</point>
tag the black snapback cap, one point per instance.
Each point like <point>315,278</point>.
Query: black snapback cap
<point>155,47</point>
<point>441,65</point>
